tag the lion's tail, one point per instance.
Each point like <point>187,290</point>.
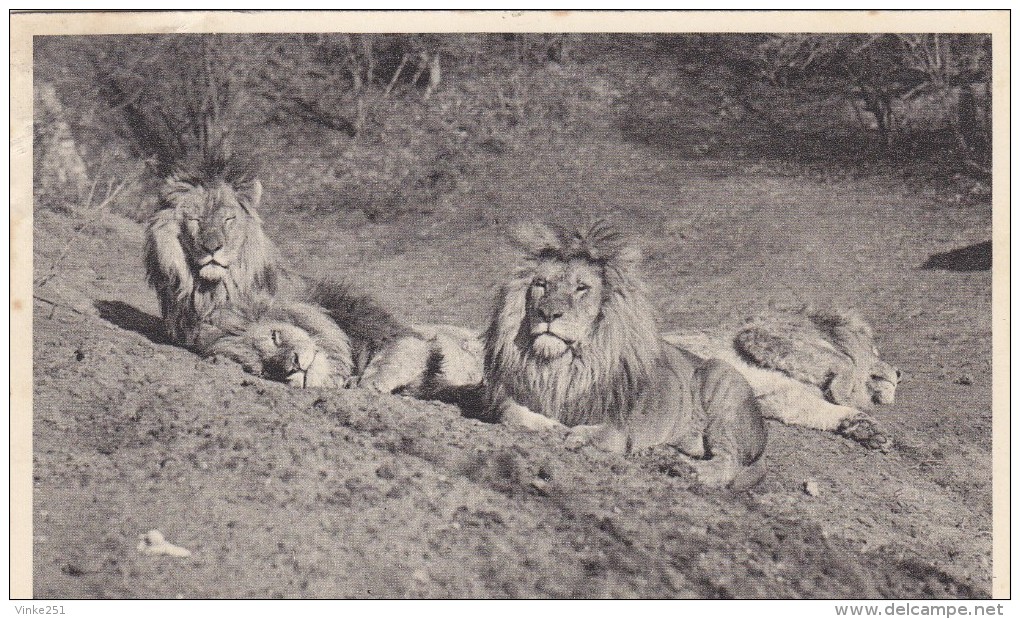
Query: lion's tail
<point>749,476</point>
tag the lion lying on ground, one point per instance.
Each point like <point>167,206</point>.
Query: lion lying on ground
<point>811,368</point>
<point>293,343</point>
<point>573,342</point>
<point>298,344</point>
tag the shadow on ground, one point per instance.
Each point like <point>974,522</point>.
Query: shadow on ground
<point>131,318</point>
<point>976,257</point>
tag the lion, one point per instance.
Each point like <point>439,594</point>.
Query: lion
<point>299,344</point>
<point>573,342</point>
<point>205,250</point>
<point>809,367</point>
<point>294,343</point>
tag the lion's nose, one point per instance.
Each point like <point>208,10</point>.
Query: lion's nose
<point>549,315</point>
<point>212,246</point>
<point>899,375</point>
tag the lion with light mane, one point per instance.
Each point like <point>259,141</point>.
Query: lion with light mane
<point>574,342</point>
<point>817,368</point>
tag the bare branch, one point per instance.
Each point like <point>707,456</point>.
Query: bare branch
<point>56,304</point>
<point>396,75</point>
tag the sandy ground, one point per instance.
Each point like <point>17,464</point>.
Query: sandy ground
<point>287,493</point>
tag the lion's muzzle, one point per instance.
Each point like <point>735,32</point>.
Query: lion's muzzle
<point>301,363</point>
<point>213,267</point>
<point>883,386</point>
<point>548,345</point>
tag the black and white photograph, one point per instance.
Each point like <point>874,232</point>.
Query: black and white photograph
<point>374,310</point>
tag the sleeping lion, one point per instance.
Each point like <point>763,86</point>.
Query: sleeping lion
<point>814,368</point>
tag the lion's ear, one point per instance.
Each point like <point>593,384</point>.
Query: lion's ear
<point>535,238</point>
<point>249,194</point>
<point>629,255</point>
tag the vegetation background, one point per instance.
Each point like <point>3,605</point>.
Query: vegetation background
<point>387,125</point>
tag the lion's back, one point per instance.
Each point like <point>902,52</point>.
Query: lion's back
<point>712,345</point>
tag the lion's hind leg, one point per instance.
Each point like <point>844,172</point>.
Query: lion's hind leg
<point>735,433</point>
<point>797,404</point>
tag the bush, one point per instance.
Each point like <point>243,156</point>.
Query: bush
<point>389,124</point>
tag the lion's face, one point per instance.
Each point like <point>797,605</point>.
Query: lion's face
<point>882,382</point>
<point>572,335</point>
<point>563,304</point>
<point>214,226</point>
<point>867,381</point>
<point>289,354</point>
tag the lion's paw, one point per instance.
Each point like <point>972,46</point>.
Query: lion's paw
<point>712,476</point>
<point>579,436</point>
<point>865,430</point>
<point>715,473</point>
<point>601,437</point>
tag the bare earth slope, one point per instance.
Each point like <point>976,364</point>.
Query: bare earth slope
<point>286,493</point>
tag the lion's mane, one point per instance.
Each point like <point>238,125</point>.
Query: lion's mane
<point>187,302</point>
<point>831,349</point>
<point>245,329</point>
<point>610,368</point>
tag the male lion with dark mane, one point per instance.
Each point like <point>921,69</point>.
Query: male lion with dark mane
<point>574,342</point>
<point>205,249</point>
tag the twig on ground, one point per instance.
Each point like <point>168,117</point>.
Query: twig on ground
<point>56,304</point>
<point>94,214</point>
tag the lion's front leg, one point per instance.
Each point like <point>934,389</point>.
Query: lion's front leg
<point>399,365</point>
<point>800,405</point>
<point>516,416</point>
<point>602,436</point>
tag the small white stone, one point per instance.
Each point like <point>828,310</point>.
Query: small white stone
<point>811,488</point>
<point>153,543</point>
